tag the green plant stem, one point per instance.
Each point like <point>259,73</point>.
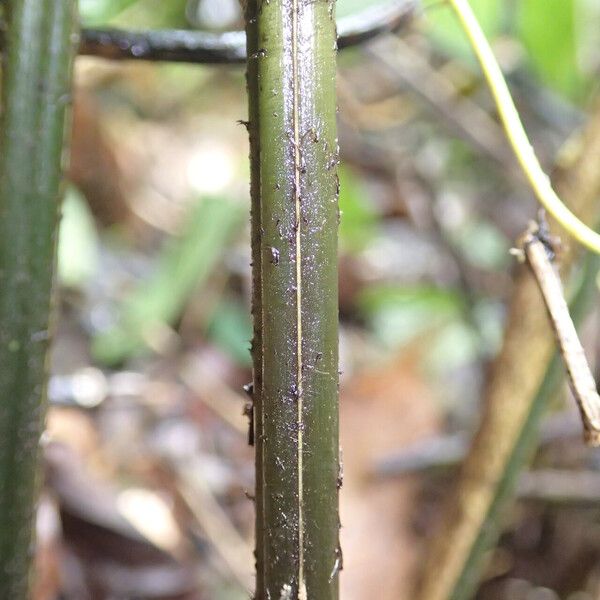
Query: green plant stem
<point>291,85</point>
<point>36,89</point>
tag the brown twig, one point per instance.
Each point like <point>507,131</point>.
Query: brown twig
<point>536,250</point>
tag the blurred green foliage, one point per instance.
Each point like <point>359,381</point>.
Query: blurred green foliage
<point>230,328</point>
<point>358,219</point>
<point>482,244</point>
<point>183,265</point>
<point>397,313</point>
<point>141,13</point>
<point>78,241</point>
<point>548,31</point>
<point>95,12</point>
<point>348,7</point>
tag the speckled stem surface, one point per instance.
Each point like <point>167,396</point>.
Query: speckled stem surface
<point>36,87</point>
<point>294,156</point>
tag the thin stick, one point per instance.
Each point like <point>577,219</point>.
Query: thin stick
<point>583,386</point>
<point>229,47</point>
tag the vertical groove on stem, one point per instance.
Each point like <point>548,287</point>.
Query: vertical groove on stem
<point>298,260</point>
<point>36,88</point>
<point>291,85</point>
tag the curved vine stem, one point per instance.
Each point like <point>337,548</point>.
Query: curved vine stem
<point>515,131</point>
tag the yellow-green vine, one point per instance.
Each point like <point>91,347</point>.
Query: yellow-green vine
<point>515,131</point>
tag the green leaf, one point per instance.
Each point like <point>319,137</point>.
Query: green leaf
<point>548,31</point>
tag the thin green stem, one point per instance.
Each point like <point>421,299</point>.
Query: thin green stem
<point>291,84</point>
<point>539,181</point>
<point>36,89</point>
